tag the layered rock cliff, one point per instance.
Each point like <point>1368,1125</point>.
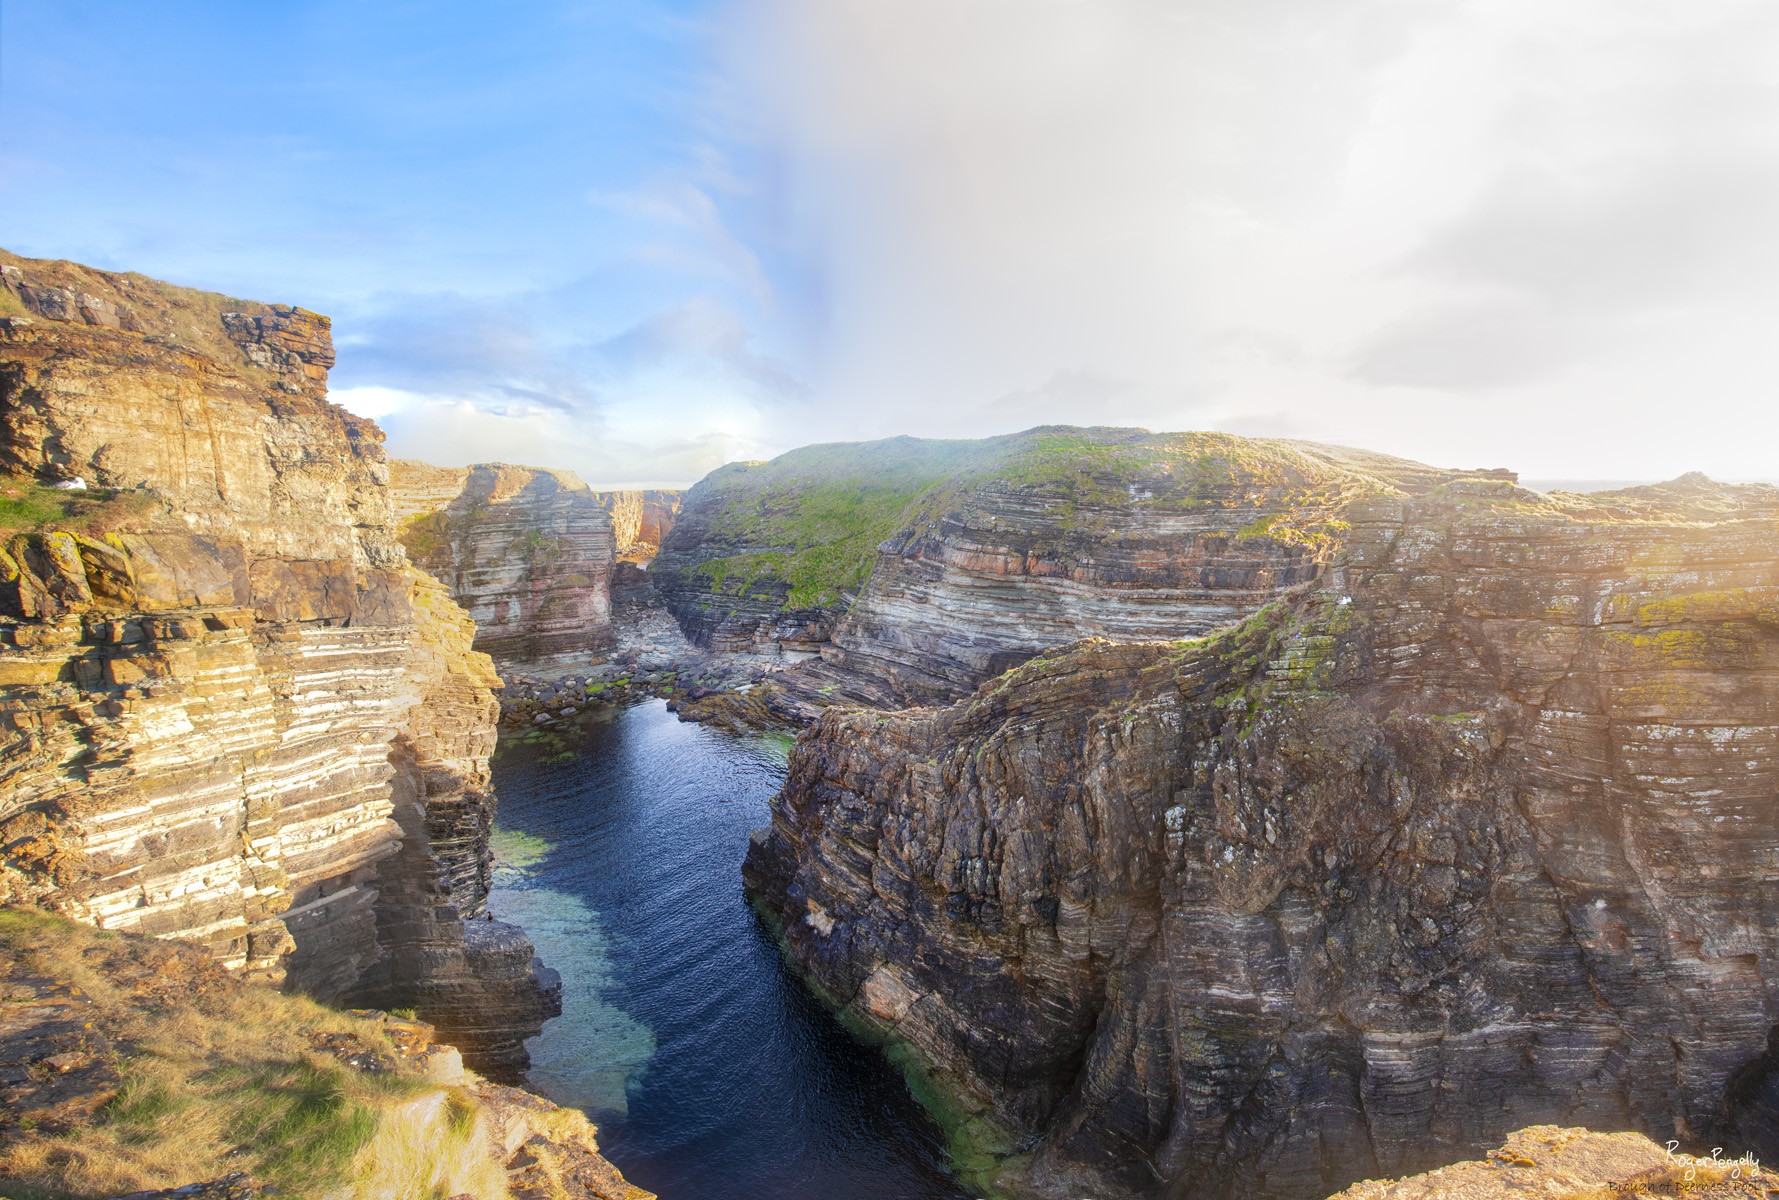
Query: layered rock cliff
<point>919,569</point>
<point>641,521</point>
<point>1474,832</point>
<point>528,552</point>
<point>230,710</point>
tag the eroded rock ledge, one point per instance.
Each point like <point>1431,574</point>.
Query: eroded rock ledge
<point>1475,832</point>
<point>231,711</point>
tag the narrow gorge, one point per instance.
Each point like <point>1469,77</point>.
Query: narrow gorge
<point>1185,815</point>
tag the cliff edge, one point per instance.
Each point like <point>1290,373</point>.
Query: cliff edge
<point>231,711</point>
<point>129,1063</point>
<point>917,569</point>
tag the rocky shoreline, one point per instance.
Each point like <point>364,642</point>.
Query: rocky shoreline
<point>1186,812</point>
<point>649,657</point>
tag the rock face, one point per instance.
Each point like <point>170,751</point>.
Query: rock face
<point>239,716</point>
<point>1578,1164</point>
<point>1478,834</point>
<point>528,552</point>
<point>920,569</point>
<point>641,521</point>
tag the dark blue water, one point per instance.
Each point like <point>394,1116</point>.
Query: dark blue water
<point>712,1074</point>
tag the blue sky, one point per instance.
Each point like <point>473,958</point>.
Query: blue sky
<point>523,205</point>
<point>637,239</point>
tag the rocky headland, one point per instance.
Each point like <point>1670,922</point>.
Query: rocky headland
<point>1470,829</point>
<point>231,710</point>
<point>529,553</point>
<point>917,569</point>
<point>1579,1164</point>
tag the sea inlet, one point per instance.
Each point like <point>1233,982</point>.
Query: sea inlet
<point>711,1071</point>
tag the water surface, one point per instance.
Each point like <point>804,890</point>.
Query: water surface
<point>711,1072</point>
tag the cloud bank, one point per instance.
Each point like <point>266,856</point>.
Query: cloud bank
<point>1497,232</point>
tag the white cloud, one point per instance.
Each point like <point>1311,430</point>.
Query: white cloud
<point>1495,231</point>
<point>373,402</point>
<point>456,432</point>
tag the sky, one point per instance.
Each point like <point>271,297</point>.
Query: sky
<point>639,239</point>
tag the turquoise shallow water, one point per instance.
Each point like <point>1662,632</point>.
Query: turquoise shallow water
<point>712,1073</point>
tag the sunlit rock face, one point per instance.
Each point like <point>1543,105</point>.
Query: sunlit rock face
<point>1474,832</point>
<point>528,552</point>
<point>237,715</point>
<point>641,521</point>
<point>919,569</point>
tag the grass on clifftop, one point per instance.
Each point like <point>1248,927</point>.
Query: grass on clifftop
<point>27,506</point>
<point>212,1076</point>
<point>810,521</point>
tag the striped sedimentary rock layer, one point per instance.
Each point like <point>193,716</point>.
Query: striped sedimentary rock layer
<point>1006,572</point>
<point>981,554</point>
<point>240,718</point>
<point>528,552</point>
<point>1478,834</point>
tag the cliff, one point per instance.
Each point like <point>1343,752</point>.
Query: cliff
<point>641,521</point>
<point>1476,832</point>
<point>230,710</point>
<point>528,552</point>
<point>128,1063</point>
<point>918,569</point>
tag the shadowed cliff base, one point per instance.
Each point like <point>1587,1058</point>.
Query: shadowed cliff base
<point>1470,833</point>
